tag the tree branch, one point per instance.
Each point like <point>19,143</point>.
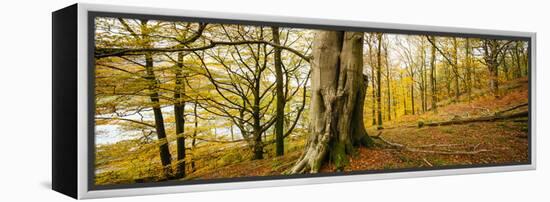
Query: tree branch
<point>108,52</point>
<point>125,119</point>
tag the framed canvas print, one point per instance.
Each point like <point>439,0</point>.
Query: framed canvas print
<point>150,101</point>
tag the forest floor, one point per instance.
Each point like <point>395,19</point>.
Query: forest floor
<point>490,142</point>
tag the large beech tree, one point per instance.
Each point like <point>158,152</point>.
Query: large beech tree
<point>337,96</point>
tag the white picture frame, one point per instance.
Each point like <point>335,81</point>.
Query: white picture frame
<point>82,166</point>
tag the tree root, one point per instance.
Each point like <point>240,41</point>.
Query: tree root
<point>393,145</point>
<point>303,164</point>
<point>427,162</point>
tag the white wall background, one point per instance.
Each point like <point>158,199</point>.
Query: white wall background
<point>25,98</point>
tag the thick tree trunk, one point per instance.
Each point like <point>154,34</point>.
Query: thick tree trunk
<point>360,136</point>
<point>279,124</point>
<point>165,156</point>
<point>337,98</point>
<point>179,110</point>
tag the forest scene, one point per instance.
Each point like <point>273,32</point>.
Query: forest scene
<point>187,101</point>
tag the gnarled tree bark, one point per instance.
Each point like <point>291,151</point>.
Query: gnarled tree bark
<point>338,91</point>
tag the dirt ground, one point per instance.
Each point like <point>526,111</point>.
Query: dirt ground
<point>478,143</point>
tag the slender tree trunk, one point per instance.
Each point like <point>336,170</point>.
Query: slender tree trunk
<point>476,79</point>
<point>164,150</point>
<point>378,78</point>
<point>373,96</point>
<point>404,94</point>
<point>258,144</point>
<point>425,88</point>
<point>423,80</point>
<point>232,133</point>
<point>525,60</point>
<point>493,77</point>
<point>455,70</point>
<point>394,103</point>
<point>449,80</point>
<point>411,74</point>
<point>492,50</point>
<point>412,98</point>
<point>433,78</point>
<point>505,66</point>
<point>338,88</point>
<point>468,71</point>
<point>425,92</point>
<point>388,81</point>
<point>517,56</point>
<point>193,141</point>
<point>279,124</point>
<point>522,59</point>
<point>179,110</point>
<point>370,57</point>
<point>165,156</point>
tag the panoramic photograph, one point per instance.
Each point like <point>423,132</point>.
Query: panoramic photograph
<point>190,101</point>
